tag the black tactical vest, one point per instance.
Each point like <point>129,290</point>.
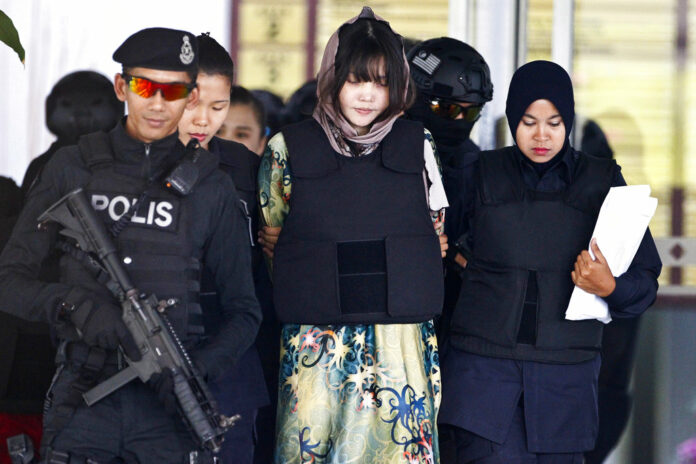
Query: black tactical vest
<point>518,234</point>
<point>358,246</point>
<point>242,166</point>
<point>155,246</point>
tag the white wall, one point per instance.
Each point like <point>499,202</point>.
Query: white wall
<point>69,35</point>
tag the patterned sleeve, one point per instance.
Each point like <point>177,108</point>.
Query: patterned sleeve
<point>275,183</point>
<point>438,217</point>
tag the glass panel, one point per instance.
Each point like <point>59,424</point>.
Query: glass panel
<point>626,80</point>
<point>273,34</point>
<point>539,29</point>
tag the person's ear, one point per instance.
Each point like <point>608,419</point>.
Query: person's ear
<point>192,99</point>
<point>120,87</point>
<point>262,145</point>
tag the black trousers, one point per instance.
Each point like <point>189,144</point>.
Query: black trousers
<point>240,440</point>
<point>459,446</point>
<point>129,426</point>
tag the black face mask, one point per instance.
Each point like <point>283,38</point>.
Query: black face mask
<point>449,134</point>
<point>79,113</point>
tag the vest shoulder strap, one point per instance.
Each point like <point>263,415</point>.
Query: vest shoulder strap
<point>96,150</point>
<point>239,162</point>
<point>402,148</point>
<point>499,176</point>
<point>309,152</point>
<point>592,180</point>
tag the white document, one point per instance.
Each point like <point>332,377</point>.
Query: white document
<point>622,222</point>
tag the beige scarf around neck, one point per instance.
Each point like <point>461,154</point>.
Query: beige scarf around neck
<point>336,127</point>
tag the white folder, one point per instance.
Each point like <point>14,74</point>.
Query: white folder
<point>621,225</point>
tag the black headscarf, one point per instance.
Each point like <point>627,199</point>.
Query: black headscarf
<point>539,80</point>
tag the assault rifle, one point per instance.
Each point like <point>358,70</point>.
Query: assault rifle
<point>147,322</point>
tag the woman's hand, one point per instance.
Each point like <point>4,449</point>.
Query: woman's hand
<point>443,244</point>
<point>268,237</point>
<point>461,260</point>
<point>593,275</point>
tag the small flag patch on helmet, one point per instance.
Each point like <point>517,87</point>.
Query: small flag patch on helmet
<point>427,62</point>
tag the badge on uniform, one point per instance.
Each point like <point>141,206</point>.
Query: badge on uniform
<point>186,56</point>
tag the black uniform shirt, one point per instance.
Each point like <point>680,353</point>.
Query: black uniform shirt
<point>218,228</point>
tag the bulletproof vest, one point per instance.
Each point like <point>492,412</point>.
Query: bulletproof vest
<point>242,166</point>
<point>358,245</point>
<point>156,247</point>
<point>520,234</point>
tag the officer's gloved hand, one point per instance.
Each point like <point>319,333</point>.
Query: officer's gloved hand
<point>99,322</point>
<point>163,384</point>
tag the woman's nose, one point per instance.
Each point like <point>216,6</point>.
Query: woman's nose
<point>367,91</point>
<point>540,132</point>
<point>200,116</point>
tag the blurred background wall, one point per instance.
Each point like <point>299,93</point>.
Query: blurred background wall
<point>633,63</point>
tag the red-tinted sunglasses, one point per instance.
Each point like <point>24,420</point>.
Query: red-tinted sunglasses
<point>451,110</point>
<point>146,88</point>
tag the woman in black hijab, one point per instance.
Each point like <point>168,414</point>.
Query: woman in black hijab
<point>519,380</point>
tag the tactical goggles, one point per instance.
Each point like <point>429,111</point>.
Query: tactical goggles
<point>451,110</point>
<point>146,88</point>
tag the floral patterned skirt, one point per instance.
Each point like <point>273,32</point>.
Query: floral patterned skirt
<point>358,394</point>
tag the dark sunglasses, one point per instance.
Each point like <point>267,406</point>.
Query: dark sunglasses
<point>451,110</point>
<point>146,88</point>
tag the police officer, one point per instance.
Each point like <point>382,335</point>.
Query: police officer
<point>79,103</point>
<point>241,390</point>
<point>519,381</point>
<point>165,242</point>
<point>454,83</point>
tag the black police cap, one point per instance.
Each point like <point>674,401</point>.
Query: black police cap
<point>159,48</point>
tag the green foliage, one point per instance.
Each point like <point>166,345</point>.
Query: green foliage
<point>9,35</point>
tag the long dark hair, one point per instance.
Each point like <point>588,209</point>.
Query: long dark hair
<point>362,46</point>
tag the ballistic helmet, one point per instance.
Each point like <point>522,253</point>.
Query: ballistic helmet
<point>449,69</point>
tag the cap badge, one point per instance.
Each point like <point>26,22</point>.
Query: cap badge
<point>186,55</point>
